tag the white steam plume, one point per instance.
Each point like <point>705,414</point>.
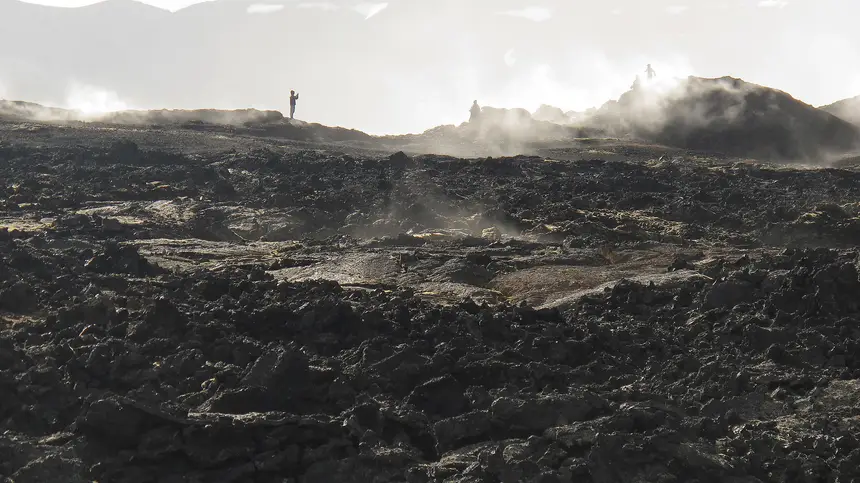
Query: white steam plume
<point>517,78</point>
<point>92,100</point>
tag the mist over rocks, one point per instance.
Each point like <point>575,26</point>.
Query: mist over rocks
<point>237,117</point>
<point>722,115</point>
<point>727,115</point>
<point>19,110</point>
<point>518,126</point>
<point>30,111</point>
<point>847,109</point>
<point>250,121</point>
<point>551,114</point>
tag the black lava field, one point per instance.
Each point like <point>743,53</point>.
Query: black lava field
<point>192,306</point>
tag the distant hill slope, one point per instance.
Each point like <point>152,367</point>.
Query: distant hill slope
<point>846,109</point>
<point>250,121</point>
<point>31,111</point>
<point>728,115</point>
<point>724,115</point>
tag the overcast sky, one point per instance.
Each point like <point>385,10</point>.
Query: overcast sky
<point>403,71</point>
<point>171,5</point>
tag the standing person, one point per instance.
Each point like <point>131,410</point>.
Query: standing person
<point>650,72</point>
<point>474,112</point>
<point>293,98</point>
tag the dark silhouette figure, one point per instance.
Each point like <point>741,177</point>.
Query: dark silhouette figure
<point>293,98</point>
<point>636,84</point>
<point>475,112</point>
<point>650,72</point>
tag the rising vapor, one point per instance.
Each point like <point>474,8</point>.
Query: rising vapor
<point>92,100</point>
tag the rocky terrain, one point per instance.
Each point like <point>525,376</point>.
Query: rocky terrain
<point>201,304</point>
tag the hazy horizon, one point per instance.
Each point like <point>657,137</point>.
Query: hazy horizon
<point>409,65</point>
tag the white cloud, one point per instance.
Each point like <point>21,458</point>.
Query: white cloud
<point>616,11</point>
<point>535,14</point>
<point>370,9</point>
<point>677,9</point>
<point>510,60</point>
<point>264,8</point>
<point>63,3</point>
<point>772,3</point>
<point>174,5</point>
<point>320,5</point>
<point>171,5</point>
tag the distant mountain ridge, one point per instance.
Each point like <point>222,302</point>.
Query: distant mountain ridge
<point>724,115</point>
<point>731,116</point>
<point>30,111</point>
<point>847,109</point>
<point>245,121</point>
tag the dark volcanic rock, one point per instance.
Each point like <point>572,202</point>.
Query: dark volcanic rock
<point>728,294</point>
<point>442,396</point>
<point>19,297</point>
<point>732,116</point>
<point>545,412</point>
<point>110,420</point>
<point>679,352</point>
<point>121,259</point>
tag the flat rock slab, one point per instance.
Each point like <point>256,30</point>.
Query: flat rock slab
<point>668,280</point>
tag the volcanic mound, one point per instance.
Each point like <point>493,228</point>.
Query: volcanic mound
<point>728,115</point>
<point>847,109</point>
